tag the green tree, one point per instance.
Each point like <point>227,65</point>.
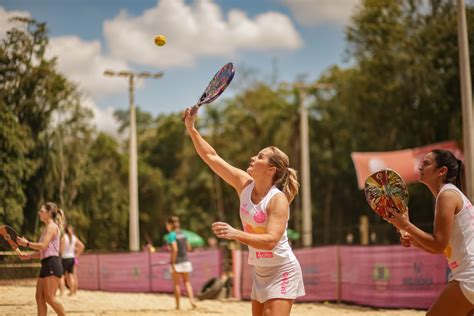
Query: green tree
<point>401,91</point>
<point>44,108</point>
<point>101,207</point>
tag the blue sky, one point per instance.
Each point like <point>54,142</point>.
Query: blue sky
<point>295,37</point>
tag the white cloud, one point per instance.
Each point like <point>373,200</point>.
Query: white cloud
<point>194,31</point>
<point>6,24</point>
<point>84,63</point>
<point>310,12</point>
<point>104,120</point>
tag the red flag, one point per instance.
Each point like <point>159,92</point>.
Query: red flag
<point>404,162</point>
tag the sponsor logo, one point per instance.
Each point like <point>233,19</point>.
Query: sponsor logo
<point>284,282</point>
<point>419,279</point>
<point>453,265</point>
<point>243,209</point>
<point>380,273</point>
<point>264,254</point>
<point>381,276</point>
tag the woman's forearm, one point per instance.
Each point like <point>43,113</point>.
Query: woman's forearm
<point>36,245</point>
<point>424,240</point>
<point>258,241</point>
<point>202,147</point>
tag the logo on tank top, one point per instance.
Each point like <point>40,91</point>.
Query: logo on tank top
<point>264,254</point>
<point>243,209</point>
<point>453,265</point>
<point>284,282</point>
<point>260,217</point>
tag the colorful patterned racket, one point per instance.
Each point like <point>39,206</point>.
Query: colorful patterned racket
<point>217,85</point>
<point>8,239</point>
<point>385,190</point>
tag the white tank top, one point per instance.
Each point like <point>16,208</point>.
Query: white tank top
<point>460,250</point>
<point>69,247</point>
<point>254,219</point>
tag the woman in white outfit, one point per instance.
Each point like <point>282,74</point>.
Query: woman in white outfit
<point>71,249</point>
<point>453,231</point>
<point>265,191</point>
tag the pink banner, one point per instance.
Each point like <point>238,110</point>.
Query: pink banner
<point>144,272</point>
<point>405,162</point>
<point>127,272</point>
<point>206,265</point>
<point>88,272</point>
<point>320,273</point>
<point>391,276</point>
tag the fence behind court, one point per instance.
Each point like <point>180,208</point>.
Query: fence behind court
<point>380,276</point>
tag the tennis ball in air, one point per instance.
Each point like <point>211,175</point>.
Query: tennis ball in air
<point>160,40</point>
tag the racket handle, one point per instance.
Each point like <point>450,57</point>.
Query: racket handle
<point>195,108</point>
<point>18,252</point>
<point>402,232</point>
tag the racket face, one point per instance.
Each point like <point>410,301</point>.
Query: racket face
<point>8,237</point>
<point>385,190</point>
<point>218,84</point>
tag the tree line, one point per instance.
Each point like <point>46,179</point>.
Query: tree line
<point>400,90</point>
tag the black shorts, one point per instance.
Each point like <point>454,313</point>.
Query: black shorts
<point>51,266</point>
<point>68,265</point>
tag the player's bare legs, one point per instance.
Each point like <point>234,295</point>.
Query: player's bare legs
<point>189,289</point>
<point>176,288</point>
<point>451,302</point>
<point>50,286</point>
<point>40,301</point>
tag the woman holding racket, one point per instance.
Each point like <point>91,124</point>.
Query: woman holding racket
<point>179,263</point>
<point>48,251</point>
<point>453,232</point>
<point>266,189</point>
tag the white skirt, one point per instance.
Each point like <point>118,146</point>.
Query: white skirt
<point>183,267</point>
<point>467,291</point>
<point>284,281</point>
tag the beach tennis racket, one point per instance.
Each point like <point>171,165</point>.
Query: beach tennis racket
<point>217,85</point>
<point>8,239</point>
<point>386,192</point>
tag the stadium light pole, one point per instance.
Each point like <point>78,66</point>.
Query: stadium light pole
<point>466,98</point>
<point>305,160</point>
<point>134,230</point>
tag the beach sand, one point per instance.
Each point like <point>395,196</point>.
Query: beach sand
<point>18,298</point>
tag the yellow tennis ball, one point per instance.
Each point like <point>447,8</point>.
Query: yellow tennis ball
<point>160,40</point>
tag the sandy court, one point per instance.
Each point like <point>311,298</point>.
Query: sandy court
<point>19,299</point>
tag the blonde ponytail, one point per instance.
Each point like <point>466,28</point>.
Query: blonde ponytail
<point>285,178</point>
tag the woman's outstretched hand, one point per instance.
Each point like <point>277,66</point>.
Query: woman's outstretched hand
<point>189,117</point>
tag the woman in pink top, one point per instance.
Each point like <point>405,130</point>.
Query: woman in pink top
<point>265,189</point>
<point>453,232</point>
<point>51,268</point>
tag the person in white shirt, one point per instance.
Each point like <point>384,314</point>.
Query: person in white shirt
<point>71,248</point>
<point>266,189</point>
<point>453,232</point>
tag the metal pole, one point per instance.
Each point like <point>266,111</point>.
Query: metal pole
<point>466,97</point>
<point>134,234</point>
<point>134,228</point>
<point>305,173</point>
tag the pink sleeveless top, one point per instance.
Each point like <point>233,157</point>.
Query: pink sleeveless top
<point>53,246</point>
